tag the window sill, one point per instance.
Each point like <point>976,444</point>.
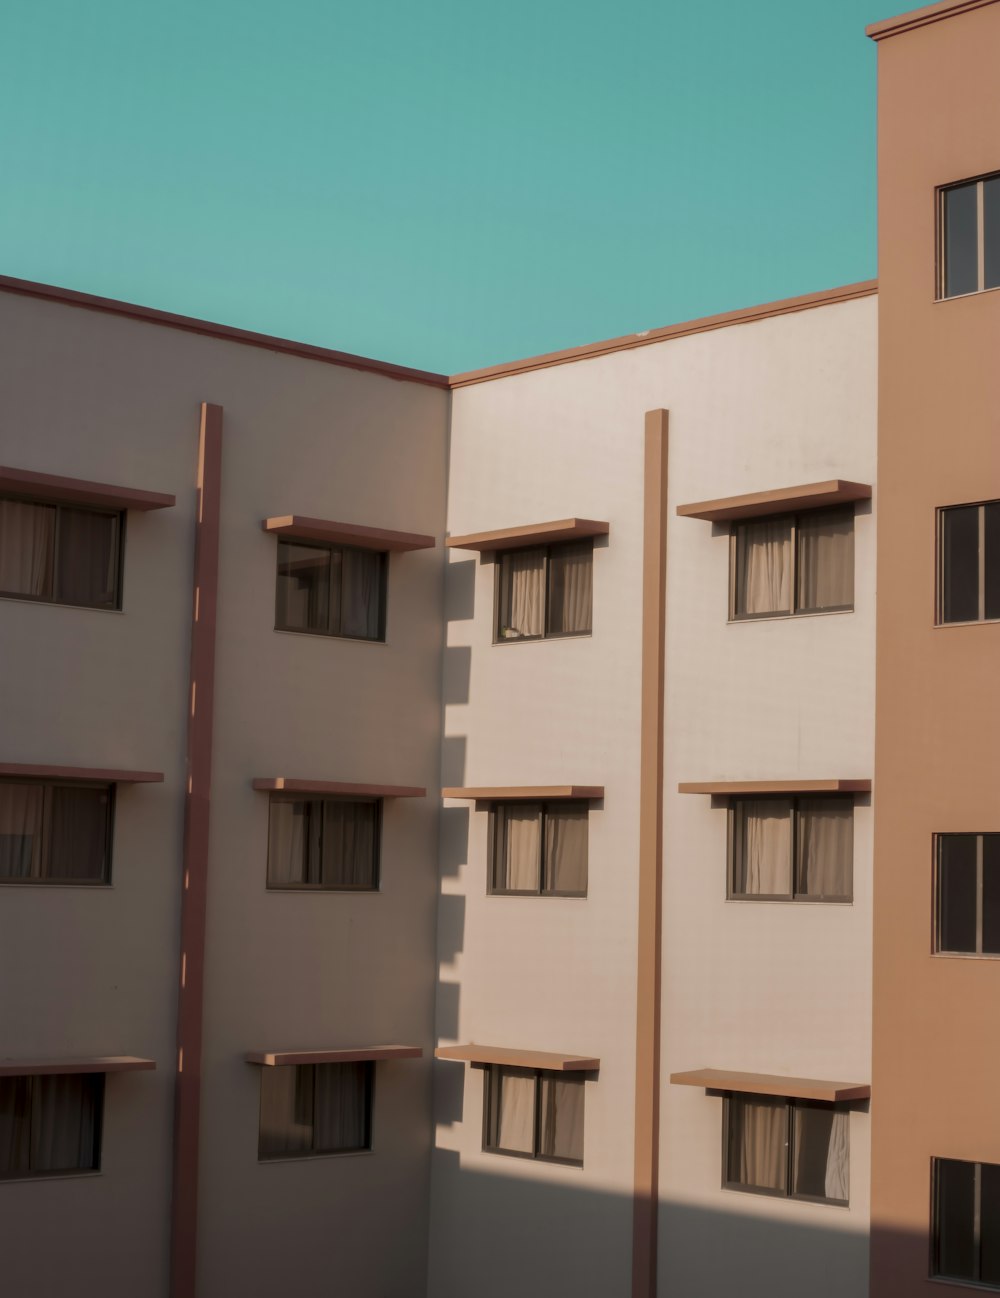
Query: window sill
<point>545,639</point>
<point>96,886</point>
<point>541,896</point>
<point>328,635</point>
<point>312,889</point>
<point>757,618</point>
<point>965,1284</point>
<point>979,621</point>
<point>800,1199</point>
<point>89,1174</point>
<point>315,1158</point>
<point>965,955</point>
<point>535,1158</point>
<point>958,297</point>
<point>55,603</point>
<point>795,901</point>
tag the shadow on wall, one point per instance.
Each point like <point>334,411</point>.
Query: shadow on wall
<point>534,1234</point>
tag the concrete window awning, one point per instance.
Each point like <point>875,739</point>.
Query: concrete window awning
<point>84,1064</point>
<point>527,792</point>
<point>81,774</point>
<point>50,487</point>
<point>797,1088</point>
<point>783,500</point>
<point>298,528</point>
<point>335,788</point>
<point>759,788</point>
<point>550,1060</point>
<point>513,538</point>
<point>340,1055</point>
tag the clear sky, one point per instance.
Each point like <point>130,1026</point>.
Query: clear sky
<point>441,183</point>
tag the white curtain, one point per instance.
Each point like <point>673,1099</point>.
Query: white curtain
<point>64,1115</point>
<point>518,846</point>
<point>285,1111</point>
<point>825,847</point>
<point>571,570</point>
<point>27,543</point>
<point>522,594</point>
<point>21,812</point>
<point>764,567</point>
<point>566,849</point>
<point>515,1109</point>
<point>826,560</point>
<point>340,1107</point>
<point>88,558</point>
<point>76,842</point>
<point>821,1167</point>
<point>758,1143</point>
<point>561,1117</point>
<point>838,1170</point>
<point>288,853</point>
<point>763,846</point>
<point>348,844</point>
<point>359,601</point>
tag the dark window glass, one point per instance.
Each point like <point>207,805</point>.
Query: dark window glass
<point>54,833</point>
<point>50,1124</point>
<point>59,554</point>
<point>991,894</point>
<point>954,1223</point>
<point>330,590</point>
<point>957,855</point>
<point>989,1224</point>
<point>991,559</point>
<point>533,1113</point>
<point>87,558</point>
<point>787,1147</point>
<point>545,591</point>
<point>991,231</point>
<point>961,255</point>
<point>539,848</point>
<point>792,848</point>
<point>960,564</point>
<point>315,1109</point>
<point>323,843</point>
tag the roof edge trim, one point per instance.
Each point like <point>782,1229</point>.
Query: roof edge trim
<point>908,22</point>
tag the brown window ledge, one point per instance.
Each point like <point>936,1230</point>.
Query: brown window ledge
<point>512,538</point>
<point>798,1088</point>
<point>89,1064</point>
<point>547,1059</point>
<point>814,495</point>
<point>94,774</point>
<point>351,1055</point>
<point>527,793</point>
<point>78,491</point>
<point>736,788</point>
<point>285,784</point>
<point>364,538</point>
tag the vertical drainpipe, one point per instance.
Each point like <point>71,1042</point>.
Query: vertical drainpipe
<point>647,1043</point>
<point>187,1097</point>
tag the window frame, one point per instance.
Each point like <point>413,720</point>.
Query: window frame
<point>793,520</point>
<point>941,268</point>
<point>790,1103</point>
<point>494,1070</point>
<point>110,791</point>
<point>546,575</point>
<point>939,593</point>
<point>312,1152</point>
<point>799,898</point>
<point>322,798</point>
<point>935,1241</point>
<point>330,546</point>
<point>60,506</point>
<point>493,831</point>
<point>938,840</point>
<point>99,1083</point>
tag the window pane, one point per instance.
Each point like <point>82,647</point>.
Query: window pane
<point>27,548</point>
<point>303,598</point>
<point>762,847</point>
<point>957,892</point>
<point>349,833</point>
<point>15,1126</point>
<point>571,570</point>
<point>954,1213</point>
<point>825,847</point>
<point>961,274</point>
<point>991,894</point>
<point>65,1119</point>
<point>561,1117</point>
<point>960,564</point>
<point>991,559</point>
<point>285,1111</point>
<point>361,594</point>
<point>21,830</point>
<point>511,1112</point>
<point>757,1151</point>
<point>821,1157</point>
<point>293,855</point>
<point>989,1224</point>
<point>826,560</point>
<point>991,230</point>
<point>566,848</point>
<point>341,1107</point>
<point>77,835</point>
<point>518,837</point>
<point>87,561</point>
<point>764,567</point>
<point>521,603</point>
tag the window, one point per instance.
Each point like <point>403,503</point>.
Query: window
<point>796,563</point>
<point>534,1113</point>
<point>545,591</point>
<point>969,237</point>
<point>59,554</point>
<point>55,833</point>
<point>969,562</point>
<point>50,1124</point>
<point>315,1109</point>
<point>539,848</point>
<point>968,894</point>
<point>331,590</point>
<point>966,1221</point>
<point>795,1148</point>
<point>791,849</point>
<point>328,844</point>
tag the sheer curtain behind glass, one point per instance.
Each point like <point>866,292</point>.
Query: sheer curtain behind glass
<point>286,1127</point>
<point>21,809</point>
<point>517,846</point>
<point>825,847</point>
<point>293,844</point>
<point>522,594</point>
<point>65,1111</point>
<point>512,1109</point>
<point>758,1149</point>
<point>87,564</point>
<point>27,548</point>
<point>561,1117</point>
<point>340,1107</point>
<point>821,1163</point>
<point>77,834</point>
<point>825,560</point>
<point>764,567</point>
<point>762,847</point>
<point>303,591</point>
<point>349,844</point>
<point>566,849</point>
<point>360,600</point>
<point>570,601</point>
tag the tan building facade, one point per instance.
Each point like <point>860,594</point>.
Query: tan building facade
<point>549,720</point>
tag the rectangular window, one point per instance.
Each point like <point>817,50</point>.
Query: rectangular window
<point>965,1226</point>
<point>50,1124</point>
<point>326,844</point>
<point>545,591</point>
<point>315,1109</point>
<point>534,1113</point>
<point>969,237</point>
<point>795,1149</point>
<point>55,833</point>
<point>60,554</point>
<point>792,849</point>
<point>796,563</point>
<point>969,562</point>
<point>539,849</point>
<point>968,894</point>
<point>332,590</point>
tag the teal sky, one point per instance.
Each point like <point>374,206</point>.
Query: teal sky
<point>445,184</point>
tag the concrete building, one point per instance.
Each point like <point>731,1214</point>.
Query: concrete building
<point>485,834</point>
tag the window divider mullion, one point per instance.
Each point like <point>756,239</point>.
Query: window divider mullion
<point>793,593</point>
<point>979,894</point>
<point>981,519</point>
<point>789,1129</point>
<point>977,1223</point>
<point>329,598</point>
<point>537,1137</point>
<point>542,816</point>
<point>793,849</point>
<point>980,237</point>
